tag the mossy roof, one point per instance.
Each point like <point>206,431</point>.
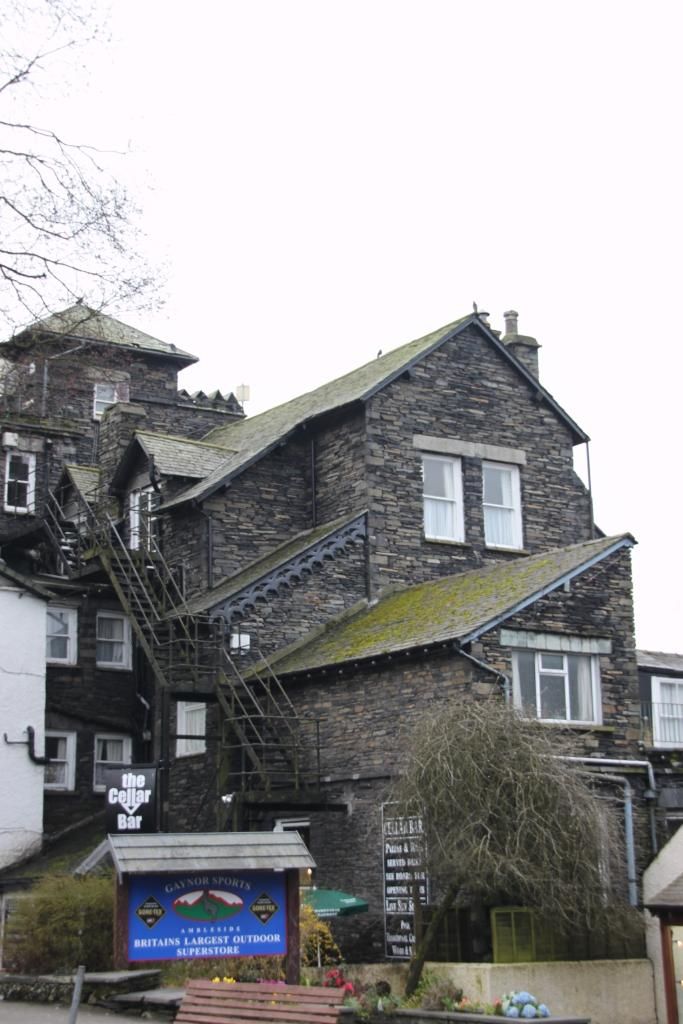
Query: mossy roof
<point>172,456</point>
<point>454,608</point>
<point>255,436</point>
<point>85,324</point>
<point>86,479</point>
<point>232,585</point>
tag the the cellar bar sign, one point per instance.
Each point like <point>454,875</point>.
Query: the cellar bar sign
<point>130,794</point>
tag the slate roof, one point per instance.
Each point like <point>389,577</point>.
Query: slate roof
<point>85,324</point>
<point>454,608</point>
<point>159,853</point>
<point>253,437</point>
<point>86,479</point>
<point>660,660</point>
<point>232,585</point>
<point>173,456</point>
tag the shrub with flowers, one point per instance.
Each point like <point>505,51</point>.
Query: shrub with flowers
<point>523,1005</point>
<point>334,978</point>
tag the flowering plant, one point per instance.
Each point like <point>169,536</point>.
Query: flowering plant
<point>523,1005</point>
<point>334,978</point>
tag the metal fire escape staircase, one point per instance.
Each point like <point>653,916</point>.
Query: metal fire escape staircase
<point>187,654</point>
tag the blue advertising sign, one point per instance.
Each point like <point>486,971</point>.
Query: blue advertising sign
<point>208,914</point>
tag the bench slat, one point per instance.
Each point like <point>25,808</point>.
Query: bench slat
<point>207,1002</point>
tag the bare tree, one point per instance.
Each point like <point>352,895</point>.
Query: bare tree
<point>504,816</point>
<point>66,224</point>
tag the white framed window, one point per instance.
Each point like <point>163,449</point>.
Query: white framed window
<point>240,643</point>
<point>113,641</point>
<point>190,722</point>
<point>557,687</point>
<point>62,635</point>
<point>105,395</point>
<point>111,751</point>
<point>442,495</point>
<point>142,523</point>
<point>667,712</point>
<point>60,772</point>
<point>502,506</point>
<point>20,482</point>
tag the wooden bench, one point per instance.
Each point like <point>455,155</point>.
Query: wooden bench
<point>240,1002</point>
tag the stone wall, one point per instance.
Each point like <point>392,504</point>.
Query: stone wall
<point>265,506</point>
<point>465,391</point>
<point>288,616</point>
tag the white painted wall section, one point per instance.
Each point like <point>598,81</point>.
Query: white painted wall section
<point>22,703</point>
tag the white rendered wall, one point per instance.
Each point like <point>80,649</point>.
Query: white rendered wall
<point>22,703</point>
<point>665,869</point>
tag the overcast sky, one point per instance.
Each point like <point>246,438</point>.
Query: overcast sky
<point>325,179</point>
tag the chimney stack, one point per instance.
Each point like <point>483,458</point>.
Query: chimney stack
<point>522,346</point>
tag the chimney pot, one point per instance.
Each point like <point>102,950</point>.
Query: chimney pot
<point>511,321</point>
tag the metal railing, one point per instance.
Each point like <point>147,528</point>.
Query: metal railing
<point>186,651</point>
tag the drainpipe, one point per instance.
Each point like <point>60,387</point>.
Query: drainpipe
<point>505,680</point>
<point>30,743</point>
<point>621,780</point>
<point>590,490</point>
<point>650,795</point>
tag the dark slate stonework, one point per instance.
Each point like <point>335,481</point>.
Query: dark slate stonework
<point>268,504</point>
<point>327,591</point>
<point>340,469</point>
<point>465,391</point>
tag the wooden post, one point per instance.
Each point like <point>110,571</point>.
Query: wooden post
<point>121,894</point>
<point>293,958</point>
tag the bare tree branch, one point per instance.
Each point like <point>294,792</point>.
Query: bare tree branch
<point>65,220</point>
<point>506,819</point>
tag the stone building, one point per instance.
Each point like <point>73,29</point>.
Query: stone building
<point>262,606</point>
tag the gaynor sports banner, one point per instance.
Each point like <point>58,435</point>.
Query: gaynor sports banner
<point>206,915</point>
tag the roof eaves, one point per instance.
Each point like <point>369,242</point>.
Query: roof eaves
<point>626,541</point>
<point>25,582</point>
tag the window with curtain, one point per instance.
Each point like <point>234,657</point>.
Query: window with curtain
<point>113,641</point>
<point>110,752</point>
<point>190,722</point>
<point>557,687</point>
<point>442,495</point>
<point>61,635</point>
<point>502,505</point>
<point>60,771</point>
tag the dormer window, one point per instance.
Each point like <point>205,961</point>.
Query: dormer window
<point>108,394</point>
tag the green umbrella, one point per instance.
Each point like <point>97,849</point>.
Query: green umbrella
<point>332,903</point>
